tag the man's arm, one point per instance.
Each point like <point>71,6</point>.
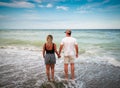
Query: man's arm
<point>76,48</point>
<point>55,48</point>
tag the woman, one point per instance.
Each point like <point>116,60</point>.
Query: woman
<point>49,50</point>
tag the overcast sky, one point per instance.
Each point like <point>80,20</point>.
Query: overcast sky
<point>59,14</point>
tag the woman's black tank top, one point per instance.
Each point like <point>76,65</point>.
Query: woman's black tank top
<point>49,51</point>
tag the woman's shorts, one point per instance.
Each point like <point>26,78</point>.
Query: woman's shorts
<point>50,59</point>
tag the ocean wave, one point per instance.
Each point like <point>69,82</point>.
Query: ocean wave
<point>15,42</point>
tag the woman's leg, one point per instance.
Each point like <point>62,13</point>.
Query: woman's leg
<point>52,71</point>
<point>48,71</point>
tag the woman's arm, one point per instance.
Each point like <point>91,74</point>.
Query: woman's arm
<point>44,51</point>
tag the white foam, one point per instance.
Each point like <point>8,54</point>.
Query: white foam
<point>114,62</point>
<point>30,64</point>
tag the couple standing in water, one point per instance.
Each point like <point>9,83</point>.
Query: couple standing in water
<point>70,53</point>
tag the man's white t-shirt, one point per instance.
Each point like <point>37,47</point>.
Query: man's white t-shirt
<point>69,46</point>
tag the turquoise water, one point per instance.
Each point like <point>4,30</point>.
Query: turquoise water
<point>94,42</point>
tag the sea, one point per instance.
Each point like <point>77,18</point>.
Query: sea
<point>98,64</point>
<point>96,41</point>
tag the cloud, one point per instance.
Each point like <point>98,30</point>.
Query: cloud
<point>62,8</point>
<point>87,8</point>
<point>38,1</point>
<point>106,1</point>
<point>83,11</point>
<point>49,5</point>
<point>18,4</point>
<point>89,0</point>
<point>113,7</point>
<point>31,16</point>
<point>103,1</point>
<point>31,11</point>
<point>46,6</point>
<point>95,6</point>
<point>1,16</point>
<point>41,6</point>
<point>110,8</point>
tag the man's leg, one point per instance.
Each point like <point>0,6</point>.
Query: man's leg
<point>72,70</point>
<point>66,71</point>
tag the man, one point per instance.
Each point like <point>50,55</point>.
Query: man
<point>70,52</point>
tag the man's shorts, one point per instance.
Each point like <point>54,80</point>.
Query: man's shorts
<point>68,59</point>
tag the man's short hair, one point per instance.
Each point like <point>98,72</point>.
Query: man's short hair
<point>68,31</point>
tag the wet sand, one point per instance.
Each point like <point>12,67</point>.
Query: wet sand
<point>24,68</point>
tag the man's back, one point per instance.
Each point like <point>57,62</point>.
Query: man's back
<point>69,46</point>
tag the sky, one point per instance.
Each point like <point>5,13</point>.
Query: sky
<point>59,14</point>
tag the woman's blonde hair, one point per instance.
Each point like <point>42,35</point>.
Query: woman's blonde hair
<point>50,36</point>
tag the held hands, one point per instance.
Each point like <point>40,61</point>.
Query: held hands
<point>59,56</point>
<point>43,56</point>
